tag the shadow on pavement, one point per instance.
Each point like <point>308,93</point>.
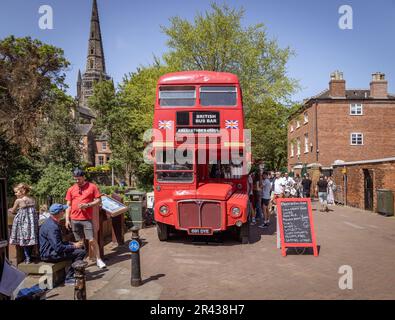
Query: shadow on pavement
<point>153,278</point>
<point>308,251</point>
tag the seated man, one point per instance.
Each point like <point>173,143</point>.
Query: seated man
<point>52,248</point>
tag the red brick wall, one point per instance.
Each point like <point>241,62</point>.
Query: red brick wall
<point>379,89</point>
<point>335,125</point>
<point>383,178</point>
<point>337,88</point>
<point>304,128</point>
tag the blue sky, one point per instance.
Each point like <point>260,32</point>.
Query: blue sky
<point>132,35</point>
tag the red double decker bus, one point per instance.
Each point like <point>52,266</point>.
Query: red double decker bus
<point>200,155</point>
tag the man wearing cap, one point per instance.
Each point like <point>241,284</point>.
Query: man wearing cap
<point>52,248</point>
<point>81,198</point>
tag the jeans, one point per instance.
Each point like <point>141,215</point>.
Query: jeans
<point>75,255</point>
<point>258,209</point>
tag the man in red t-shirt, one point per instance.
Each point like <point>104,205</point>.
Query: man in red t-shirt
<point>81,198</point>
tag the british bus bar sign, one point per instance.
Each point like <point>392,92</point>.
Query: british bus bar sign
<point>296,224</point>
<point>206,118</point>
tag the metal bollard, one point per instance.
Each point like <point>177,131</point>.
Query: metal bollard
<point>134,246</point>
<point>79,274</point>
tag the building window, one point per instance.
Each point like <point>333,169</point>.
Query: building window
<point>108,158</point>
<point>356,109</point>
<point>306,117</point>
<point>298,147</point>
<point>297,124</point>
<point>292,128</point>
<point>306,143</point>
<point>104,145</point>
<point>356,139</point>
<point>91,64</point>
<point>292,150</point>
<point>101,160</point>
<point>92,51</point>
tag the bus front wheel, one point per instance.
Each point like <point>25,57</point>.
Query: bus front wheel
<point>163,231</point>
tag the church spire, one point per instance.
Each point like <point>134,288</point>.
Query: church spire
<point>95,59</point>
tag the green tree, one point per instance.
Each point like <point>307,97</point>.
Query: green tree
<point>54,181</point>
<point>217,41</point>
<point>29,71</point>
<point>104,101</point>
<point>57,133</point>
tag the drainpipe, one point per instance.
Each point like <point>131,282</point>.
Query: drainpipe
<point>345,185</point>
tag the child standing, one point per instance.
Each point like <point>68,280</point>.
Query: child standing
<point>24,231</point>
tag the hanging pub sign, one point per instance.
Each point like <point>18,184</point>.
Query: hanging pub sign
<point>296,224</point>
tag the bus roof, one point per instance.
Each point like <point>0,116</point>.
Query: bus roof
<point>198,77</point>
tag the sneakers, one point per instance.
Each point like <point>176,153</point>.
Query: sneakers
<point>70,282</point>
<point>100,264</point>
<point>262,226</point>
<point>253,222</point>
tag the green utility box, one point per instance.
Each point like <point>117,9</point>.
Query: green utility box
<point>137,203</point>
<point>385,202</point>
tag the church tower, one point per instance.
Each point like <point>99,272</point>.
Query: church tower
<point>95,66</point>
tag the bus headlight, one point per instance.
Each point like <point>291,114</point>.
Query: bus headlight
<point>164,210</point>
<point>236,212</point>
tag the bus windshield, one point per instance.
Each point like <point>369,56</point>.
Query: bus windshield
<point>173,168</point>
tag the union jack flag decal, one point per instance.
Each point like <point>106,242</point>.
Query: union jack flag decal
<point>164,124</point>
<point>232,124</point>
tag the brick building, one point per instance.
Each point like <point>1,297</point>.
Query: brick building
<point>342,125</point>
<point>358,182</point>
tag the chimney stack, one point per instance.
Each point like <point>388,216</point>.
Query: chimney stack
<point>337,85</point>
<point>379,86</point>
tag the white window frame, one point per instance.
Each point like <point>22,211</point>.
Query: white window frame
<point>306,117</point>
<point>104,145</point>
<point>356,134</point>
<point>297,124</point>
<point>299,147</point>
<point>292,150</point>
<point>292,128</point>
<point>306,143</point>
<point>98,160</point>
<point>356,107</point>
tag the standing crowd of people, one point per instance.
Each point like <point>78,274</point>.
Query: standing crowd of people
<point>30,228</point>
<point>264,188</point>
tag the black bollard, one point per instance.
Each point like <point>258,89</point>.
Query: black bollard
<point>134,246</point>
<point>79,274</point>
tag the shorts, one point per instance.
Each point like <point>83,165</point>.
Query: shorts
<point>323,196</point>
<point>82,229</point>
<point>265,202</point>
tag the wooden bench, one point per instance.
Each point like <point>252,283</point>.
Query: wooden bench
<point>52,273</point>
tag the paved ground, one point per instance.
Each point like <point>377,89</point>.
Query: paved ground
<point>183,269</point>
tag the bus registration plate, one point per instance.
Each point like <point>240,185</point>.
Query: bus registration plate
<point>200,231</point>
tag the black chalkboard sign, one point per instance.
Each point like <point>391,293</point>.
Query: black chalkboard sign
<point>296,224</point>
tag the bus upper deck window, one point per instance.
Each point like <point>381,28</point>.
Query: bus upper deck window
<point>177,96</point>
<point>218,96</point>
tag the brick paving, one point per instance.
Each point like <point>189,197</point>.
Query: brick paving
<point>225,269</point>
